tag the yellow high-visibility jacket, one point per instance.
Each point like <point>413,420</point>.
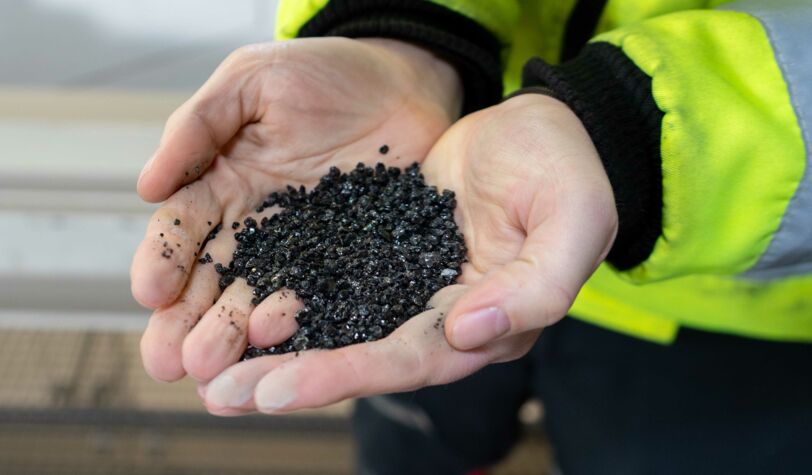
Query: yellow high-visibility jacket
<point>702,114</point>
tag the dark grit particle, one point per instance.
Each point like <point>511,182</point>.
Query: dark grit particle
<point>205,259</point>
<point>364,251</point>
<point>384,149</point>
<point>212,234</point>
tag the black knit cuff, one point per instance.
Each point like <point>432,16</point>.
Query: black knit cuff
<point>468,46</point>
<point>613,99</point>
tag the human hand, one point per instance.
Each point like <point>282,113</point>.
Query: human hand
<point>538,215</point>
<point>271,115</point>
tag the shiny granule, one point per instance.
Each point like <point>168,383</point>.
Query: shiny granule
<point>364,251</point>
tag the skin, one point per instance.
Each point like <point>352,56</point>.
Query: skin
<point>534,203</point>
<point>271,115</point>
<point>538,215</point>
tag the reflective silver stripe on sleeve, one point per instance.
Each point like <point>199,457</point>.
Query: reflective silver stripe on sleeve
<point>788,24</point>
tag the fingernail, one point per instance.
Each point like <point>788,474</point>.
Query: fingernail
<point>277,390</point>
<point>476,328</point>
<point>225,392</point>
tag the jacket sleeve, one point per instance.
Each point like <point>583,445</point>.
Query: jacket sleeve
<point>472,35</point>
<point>703,120</point>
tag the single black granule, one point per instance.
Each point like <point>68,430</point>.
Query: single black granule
<point>206,259</point>
<point>177,222</point>
<point>384,149</point>
<point>212,234</point>
<point>235,225</point>
<point>364,251</point>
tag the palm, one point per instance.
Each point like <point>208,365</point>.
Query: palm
<point>270,116</point>
<point>493,199</point>
<point>327,102</point>
<point>518,197</point>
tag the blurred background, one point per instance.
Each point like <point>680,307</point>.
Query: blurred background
<point>85,86</point>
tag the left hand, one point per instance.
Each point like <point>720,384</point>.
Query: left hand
<point>538,215</point>
<point>272,115</point>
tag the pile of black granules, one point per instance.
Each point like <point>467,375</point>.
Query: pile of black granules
<point>364,251</point>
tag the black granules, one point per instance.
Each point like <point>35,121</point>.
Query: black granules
<point>364,251</point>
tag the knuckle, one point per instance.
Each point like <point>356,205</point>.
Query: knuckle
<point>247,52</point>
<point>175,117</point>
<point>245,57</point>
<point>415,363</point>
<point>355,378</point>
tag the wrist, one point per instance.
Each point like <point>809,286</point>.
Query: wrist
<point>437,78</point>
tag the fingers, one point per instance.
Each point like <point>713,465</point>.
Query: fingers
<point>538,287</point>
<point>220,338</point>
<point>273,321</point>
<point>163,339</point>
<point>415,355</point>
<point>202,125</point>
<point>162,342</point>
<point>165,257</point>
<point>233,390</point>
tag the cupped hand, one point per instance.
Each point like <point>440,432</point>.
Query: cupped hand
<point>538,215</point>
<point>271,115</point>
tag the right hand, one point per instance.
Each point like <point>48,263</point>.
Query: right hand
<point>271,115</point>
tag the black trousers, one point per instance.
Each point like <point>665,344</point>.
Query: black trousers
<point>708,404</point>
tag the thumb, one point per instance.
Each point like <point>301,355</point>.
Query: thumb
<point>199,128</point>
<point>537,288</point>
